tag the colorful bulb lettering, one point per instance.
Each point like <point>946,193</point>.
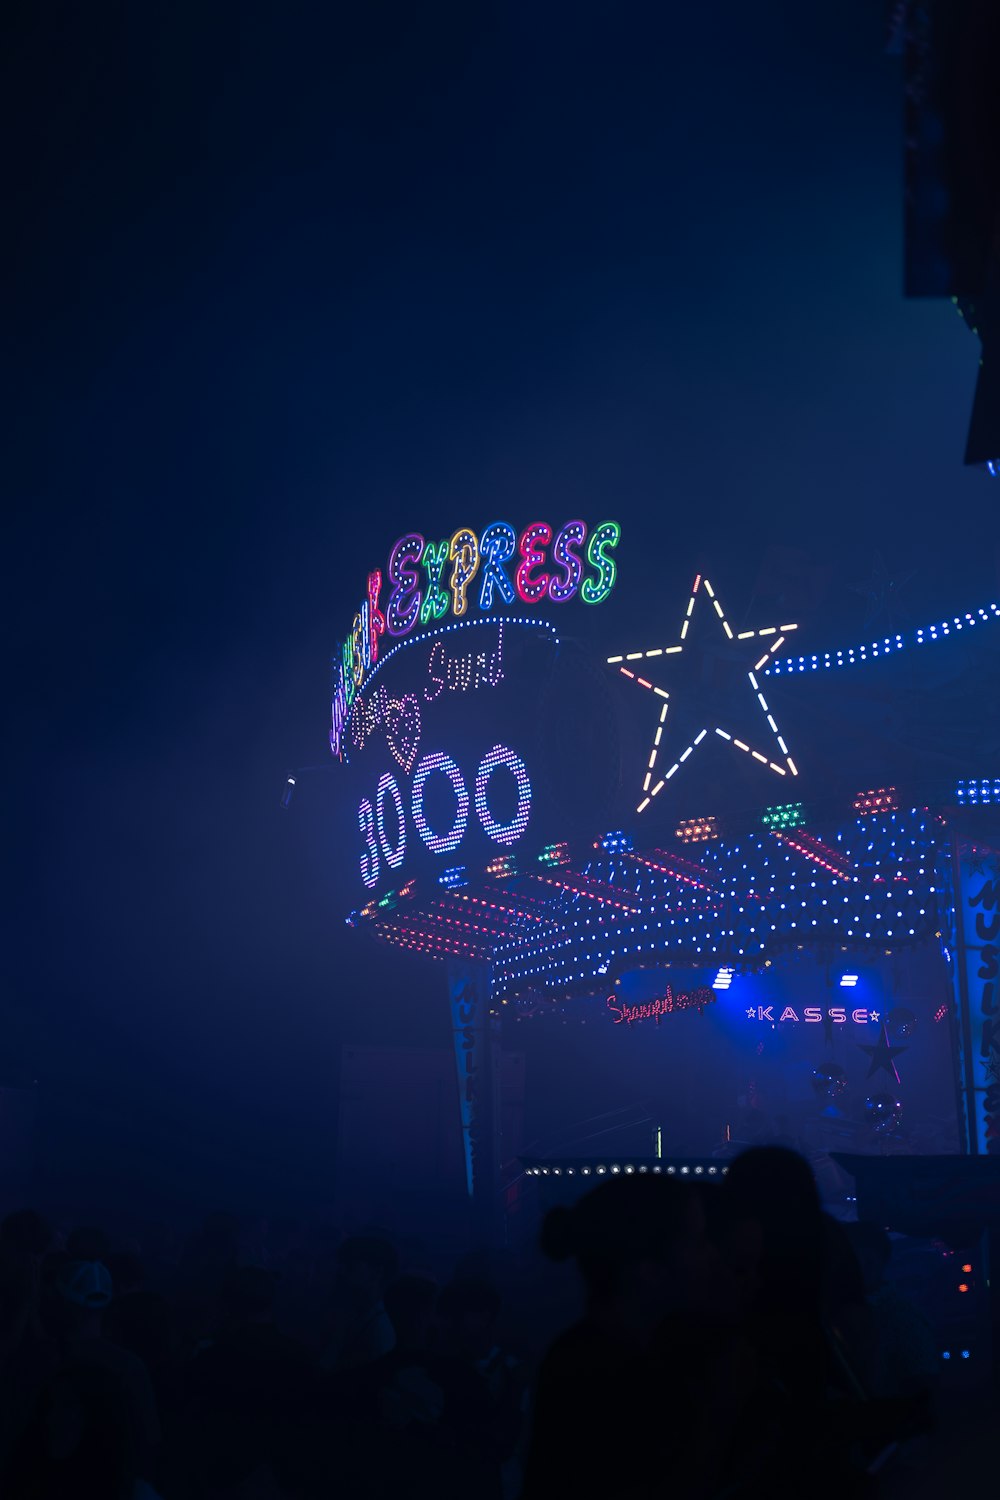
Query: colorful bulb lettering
<point>394,854</point>
<point>376,619</point>
<point>369,859</point>
<point>338,714</point>
<point>496,547</point>
<point>436,600</point>
<point>357,662</point>
<point>573,535</point>
<point>366,638</point>
<point>531,586</point>
<point>439,843</point>
<point>603,540</point>
<point>347,668</point>
<point>409,604</point>
<point>503,833</point>
<point>464,554</point>
<point>404,601</point>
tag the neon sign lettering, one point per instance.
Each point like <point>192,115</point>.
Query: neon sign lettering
<point>393,855</point>
<point>496,547</point>
<point>464,554</point>
<point>813,1015</point>
<point>369,860</point>
<point>440,843</point>
<point>400,718</point>
<point>404,601</point>
<point>465,673</point>
<point>374,617</point>
<point>503,833</point>
<point>426,579</point>
<point>573,535</point>
<point>606,537</point>
<point>533,585</point>
<point>372,822</point>
<point>435,605</point>
<point>664,1005</point>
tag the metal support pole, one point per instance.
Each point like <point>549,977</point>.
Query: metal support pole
<point>473,1030</point>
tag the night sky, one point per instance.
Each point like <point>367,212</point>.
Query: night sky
<point>283,282</point>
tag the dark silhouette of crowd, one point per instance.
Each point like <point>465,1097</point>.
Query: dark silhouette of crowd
<point>733,1341</point>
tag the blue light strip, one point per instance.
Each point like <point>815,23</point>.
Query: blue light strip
<point>877,650</point>
<point>978,793</point>
<point>618,842</point>
<point>419,636</point>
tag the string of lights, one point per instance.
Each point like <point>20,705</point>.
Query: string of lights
<point>568,918</point>
<point>774,897</point>
<point>887,646</point>
<point>488,622</point>
<point>651,788</point>
<point>873,886</point>
<point>981,793</point>
<point>625,1167</point>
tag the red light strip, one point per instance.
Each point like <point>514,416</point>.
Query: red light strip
<point>664,869</point>
<point>821,850</point>
<point>579,888</point>
<point>512,911</point>
<point>485,930</point>
<point>433,949</point>
<point>429,942</point>
<point>879,799</point>
<point>811,854</point>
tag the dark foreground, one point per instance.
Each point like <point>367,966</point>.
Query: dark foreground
<point>718,1341</point>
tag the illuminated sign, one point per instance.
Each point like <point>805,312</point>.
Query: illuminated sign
<point>426,580</point>
<point>391,846</point>
<point>447,750</point>
<point>480,757</point>
<point>663,1005</point>
<point>813,1015</point>
<point>449,668</point>
<point>977,973</point>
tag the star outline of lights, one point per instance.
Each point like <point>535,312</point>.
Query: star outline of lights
<point>780,633</point>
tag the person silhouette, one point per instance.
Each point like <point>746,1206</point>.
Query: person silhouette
<point>599,1427</point>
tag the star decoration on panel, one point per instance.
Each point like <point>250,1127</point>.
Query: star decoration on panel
<point>763,646</point>
<point>882,1055</point>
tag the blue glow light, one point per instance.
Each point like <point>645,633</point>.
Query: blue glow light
<point>618,842</point>
<point>978,793</point>
<point>739,901</point>
<point>875,650</point>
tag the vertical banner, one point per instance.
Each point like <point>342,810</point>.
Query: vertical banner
<point>468,986</point>
<point>977,981</point>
